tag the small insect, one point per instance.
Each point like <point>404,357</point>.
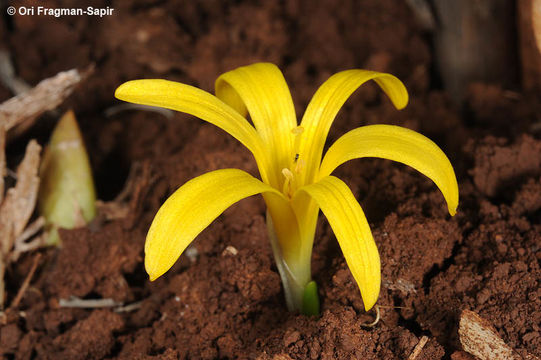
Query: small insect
<point>296,157</point>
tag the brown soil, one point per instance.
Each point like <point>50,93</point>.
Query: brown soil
<point>217,304</point>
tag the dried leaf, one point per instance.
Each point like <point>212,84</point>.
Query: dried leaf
<point>20,200</point>
<point>18,206</point>
<point>47,95</point>
<point>479,338</point>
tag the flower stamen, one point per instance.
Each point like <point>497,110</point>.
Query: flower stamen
<point>289,183</point>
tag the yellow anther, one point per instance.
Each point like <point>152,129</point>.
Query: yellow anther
<point>287,174</point>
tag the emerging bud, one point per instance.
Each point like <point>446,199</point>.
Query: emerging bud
<point>66,196</point>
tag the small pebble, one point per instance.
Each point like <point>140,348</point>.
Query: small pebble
<point>230,250</point>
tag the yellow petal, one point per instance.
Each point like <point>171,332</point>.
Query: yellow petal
<point>398,144</point>
<point>328,100</point>
<point>261,90</point>
<point>191,209</point>
<point>199,103</point>
<point>352,232</point>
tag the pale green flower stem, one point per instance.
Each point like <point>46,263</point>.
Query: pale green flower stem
<point>299,289</point>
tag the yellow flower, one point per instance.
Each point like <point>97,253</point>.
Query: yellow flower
<point>296,180</point>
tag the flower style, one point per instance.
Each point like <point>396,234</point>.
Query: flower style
<point>296,180</point>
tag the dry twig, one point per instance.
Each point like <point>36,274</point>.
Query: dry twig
<point>75,302</point>
<point>26,282</point>
<point>418,348</point>
<point>130,307</point>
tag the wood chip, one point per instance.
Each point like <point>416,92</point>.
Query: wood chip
<point>479,338</point>
<point>47,95</point>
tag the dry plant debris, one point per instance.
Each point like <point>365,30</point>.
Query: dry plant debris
<point>18,206</point>
<point>127,204</point>
<point>479,338</point>
<point>75,302</point>
<point>16,115</point>
<point>23,109</point>
<point>418,348</point>
<point>26,282</point>
<point>2,161</point>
